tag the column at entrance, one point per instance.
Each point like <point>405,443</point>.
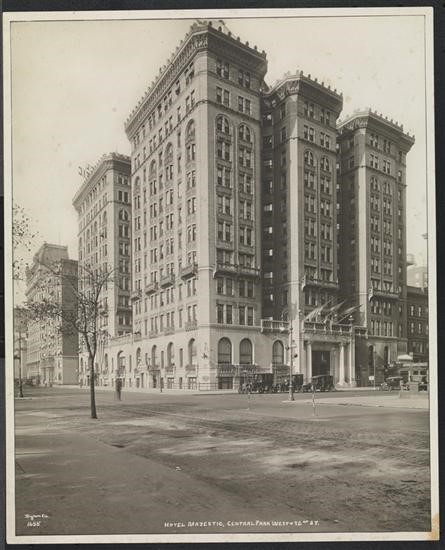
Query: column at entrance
<point>308,361</point>
<point>351,373</point>
<point>341,366</point>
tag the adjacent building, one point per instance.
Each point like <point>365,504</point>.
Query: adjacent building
<point>417,323</point>
<point>103,205</point>
<point>52,351</point>
<point>20,346</point>
<point>372,235</point>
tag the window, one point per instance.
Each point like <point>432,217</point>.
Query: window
<point>222,69</point>
<point>222,125</point>
<point>309,158</point>
<point>245,352</point>
<point>244,105</point>
<point>244,78</point>
<point>224,351</point>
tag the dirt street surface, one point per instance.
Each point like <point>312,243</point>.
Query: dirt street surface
<point>174,463</point>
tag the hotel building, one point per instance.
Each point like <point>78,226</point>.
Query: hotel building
<point>237,219</point>
<point>372,244</point>
<point>103,205</point>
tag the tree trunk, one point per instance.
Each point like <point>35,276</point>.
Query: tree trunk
<point>92,387</point>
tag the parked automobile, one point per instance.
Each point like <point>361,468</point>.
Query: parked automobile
<point>322,382</point>
<point>392,383</point>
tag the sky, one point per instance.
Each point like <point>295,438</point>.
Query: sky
<point>74,83</point>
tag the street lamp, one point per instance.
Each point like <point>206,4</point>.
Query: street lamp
<point>19,357</point>
<point>290,347</point>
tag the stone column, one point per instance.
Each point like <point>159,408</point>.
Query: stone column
<point>351,374</point>
<point>341,366</point>
<point>309,361</point>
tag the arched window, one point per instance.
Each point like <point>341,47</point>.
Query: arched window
<point>190,130</point>
<point>222,124</point>
<point>278,353</point>
<point>123,215</point>
<point>121,363</point>
<point>154,356</point>
<point>170,355</point>
<point>325,164</point>
<point>224,351</point>
<point>153,168</point>
<point>137,185</point>
<point>169,153</point>
<point>104,219</point>
<point>138,357</point>
<point>192,351</point>
<point>244,133</point>
<point>245,352</point>
<point>309,158</point>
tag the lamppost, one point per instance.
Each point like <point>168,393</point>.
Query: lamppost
<point>18,356</point>
<point>290,347</point>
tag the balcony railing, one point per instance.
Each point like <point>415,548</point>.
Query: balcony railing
<point>225,369</point>
<point>270,325</point>
<point>169,330</point>
<point>327,328</point>
<point>191,325</point>
<point>246,369</point>
<point>167,280</point>
<point>188,271</point>
<point>151,288</point>
<point>315,281</point>
<point>226,268</point>
<point>137,336</point>
<point>170,369</point>
<point>153,368</point>
<point>246,271</point>
<point>153,333</point>
<point>136,295</point>
<point>382,293</point>
<point>191,367</point>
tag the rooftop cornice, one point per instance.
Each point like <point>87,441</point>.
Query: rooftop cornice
<point>108,160</point>
<point>363,118</point>
<point>289,84</point>
<point>197,39</point>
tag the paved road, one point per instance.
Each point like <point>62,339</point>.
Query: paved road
<point>153,462</point>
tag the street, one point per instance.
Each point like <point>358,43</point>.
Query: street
<point>203,463</point>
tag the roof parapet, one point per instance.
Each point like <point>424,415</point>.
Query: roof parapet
<point>377,115</point>
<point>196,26</point>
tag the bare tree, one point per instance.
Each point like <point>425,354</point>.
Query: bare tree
<point>22,239</point>
<point>81,313</point>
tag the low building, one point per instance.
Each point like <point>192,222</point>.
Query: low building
<point>52,352</point>
<point>417,323</point>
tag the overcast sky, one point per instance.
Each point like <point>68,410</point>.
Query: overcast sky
<point>74,83</point>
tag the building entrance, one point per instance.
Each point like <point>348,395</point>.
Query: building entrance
<point>321,362</point>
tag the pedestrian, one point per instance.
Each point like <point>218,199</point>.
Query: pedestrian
<point>118,388</point>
